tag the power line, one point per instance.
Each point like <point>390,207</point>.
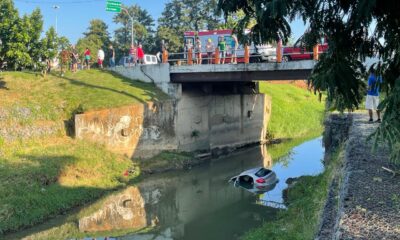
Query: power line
<point>60,2</point>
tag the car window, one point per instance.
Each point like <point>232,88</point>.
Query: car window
<point>153,59</point>
<point>147,58</point>
<point>262,172</point>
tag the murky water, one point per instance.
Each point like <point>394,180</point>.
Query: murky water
<point>200,203</point>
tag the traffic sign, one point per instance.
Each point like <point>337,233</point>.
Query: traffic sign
<point>113,6</point>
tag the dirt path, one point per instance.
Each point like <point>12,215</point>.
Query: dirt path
<point>368,205</point>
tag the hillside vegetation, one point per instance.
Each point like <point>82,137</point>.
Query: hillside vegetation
<point>43,172</point>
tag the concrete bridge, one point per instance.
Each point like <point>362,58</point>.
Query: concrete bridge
<point>297,70</point>
<point>170,78</point>
<point>213,108</point>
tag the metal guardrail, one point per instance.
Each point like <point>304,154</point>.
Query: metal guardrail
<point>249,55</point>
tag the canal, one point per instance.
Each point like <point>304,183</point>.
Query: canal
<point>200,203</point>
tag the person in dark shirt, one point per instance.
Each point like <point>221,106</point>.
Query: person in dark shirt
<point>112,56</point>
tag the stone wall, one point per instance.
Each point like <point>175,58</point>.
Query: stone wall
<point>138,130</point>
<point>197,121</point>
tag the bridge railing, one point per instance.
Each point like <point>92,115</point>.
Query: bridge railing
<point>246,55</point>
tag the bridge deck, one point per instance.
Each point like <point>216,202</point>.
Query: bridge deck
<point>241,72</point>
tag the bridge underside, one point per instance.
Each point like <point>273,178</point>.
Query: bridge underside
<point>246,76</point>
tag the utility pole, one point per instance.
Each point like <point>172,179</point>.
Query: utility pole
<point>56,7</point>
<point>131,18</point>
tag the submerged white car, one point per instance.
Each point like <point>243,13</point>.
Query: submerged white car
<point>260,178</point>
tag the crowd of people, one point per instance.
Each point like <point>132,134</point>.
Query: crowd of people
<point>210,48</point>
<point>72,56</point>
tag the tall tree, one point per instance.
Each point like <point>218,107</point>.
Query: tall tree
<point>143,28</point>
<point>100,29</point>
<point>346,25</point>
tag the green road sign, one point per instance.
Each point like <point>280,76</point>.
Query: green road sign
<point>113,9</point>
<point>113,6</point>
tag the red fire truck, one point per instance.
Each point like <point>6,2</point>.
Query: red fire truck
<point>265,52</point>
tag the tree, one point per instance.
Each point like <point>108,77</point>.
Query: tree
<point>100,29</point>
<point>34,30</point>
<point>143,28</point>
<point>345,24</point>
<point>50,45</point>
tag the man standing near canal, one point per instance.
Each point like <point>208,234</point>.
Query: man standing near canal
<point>372,100</point>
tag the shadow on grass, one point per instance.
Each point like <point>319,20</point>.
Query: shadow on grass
<point>136,83</point>
<point>3,84</point>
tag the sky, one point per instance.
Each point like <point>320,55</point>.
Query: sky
<point>73,16</point>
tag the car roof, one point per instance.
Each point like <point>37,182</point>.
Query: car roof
<point>251,171</point>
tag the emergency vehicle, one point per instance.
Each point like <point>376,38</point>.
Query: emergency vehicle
<point>265,52</point>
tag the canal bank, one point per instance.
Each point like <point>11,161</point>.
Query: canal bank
<point>364,198</point>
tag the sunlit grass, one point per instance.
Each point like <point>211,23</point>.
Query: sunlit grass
<point>41,178</point>
<point>54,97</point>
<point>296,112</point>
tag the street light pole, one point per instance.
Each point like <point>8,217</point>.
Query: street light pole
<point>56,7</point>
<point>131,18</point>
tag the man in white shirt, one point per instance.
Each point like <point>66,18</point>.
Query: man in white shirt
<point>100,58</point>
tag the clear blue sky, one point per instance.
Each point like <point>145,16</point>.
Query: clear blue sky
<point>74,15</point>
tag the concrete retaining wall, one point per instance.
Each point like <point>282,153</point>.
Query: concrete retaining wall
<point>194,122</point>
<point>157,74</point>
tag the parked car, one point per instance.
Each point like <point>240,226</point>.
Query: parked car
<point>126,61</point>
<point>299,52</point>
<point>259,178</point>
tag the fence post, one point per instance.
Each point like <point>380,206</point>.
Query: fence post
<point>165,56</point>
<point>216,57</point>
<point>246,54</point>
<point>279,51</point>
<point>316,52</point>
<point>190,57</point>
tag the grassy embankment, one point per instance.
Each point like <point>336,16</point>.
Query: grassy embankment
<point>297,116</point>
<point>46,175</point>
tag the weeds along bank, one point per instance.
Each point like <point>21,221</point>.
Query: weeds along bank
<point>42,171</point>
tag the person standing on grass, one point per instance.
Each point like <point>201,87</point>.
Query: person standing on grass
<point>210,49</point>
<point>198,50</point>
<point>87,58</point>
<point>74,59</point>
<point>372,100</point>
<point>111,56</point>
<point>222,49</point>
<point>100,58</point>
<point>140,54</point>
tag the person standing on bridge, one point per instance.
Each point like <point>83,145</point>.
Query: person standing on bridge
<point>372,100</point>
<point>234,47</point>
<point>210,49</point>
<point>198,50</point>
<point>222,49</point>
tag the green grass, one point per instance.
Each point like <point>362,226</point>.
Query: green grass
<point>296,112</point>
<point>55,98</point>
<point>306,200</point>
<point>44,177</point>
